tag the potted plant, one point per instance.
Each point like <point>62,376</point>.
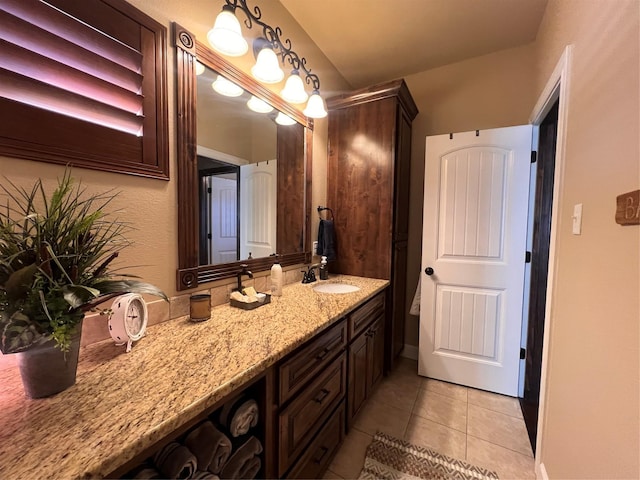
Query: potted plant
<point>55,257</point>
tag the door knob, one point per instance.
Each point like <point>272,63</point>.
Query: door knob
<point>428,271</point>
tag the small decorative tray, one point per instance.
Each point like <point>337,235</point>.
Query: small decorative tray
<point>251,305</point>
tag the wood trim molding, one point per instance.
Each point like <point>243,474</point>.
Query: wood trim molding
<point>395,88</point>
<point>187,155</point>
<point>190,273</point>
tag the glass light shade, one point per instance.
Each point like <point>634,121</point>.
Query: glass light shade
<point>267,68</point>
<point>293,90</point>
<point>284,119</point>
<point>315,106</point>
<point>226,36</point>
<point>259,106</point>
<point>199,68</point>
<point>226,87</point>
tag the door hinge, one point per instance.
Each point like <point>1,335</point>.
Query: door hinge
<point>527,257</point>
<point>523,353</point>
<point>209,190</point>
<point>534,157</point>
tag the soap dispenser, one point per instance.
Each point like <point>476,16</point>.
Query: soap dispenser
<point>276,279</point>
<point>324,271</point>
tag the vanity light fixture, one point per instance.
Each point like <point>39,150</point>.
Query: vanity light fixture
<point>267,68</point>
<point>284,119</point>
<point>315,107</point>
<point>226,87</point>
<point>293,90</point>
<point>226,36</point>
<point>259,106</point>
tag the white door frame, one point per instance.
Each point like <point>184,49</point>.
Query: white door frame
<point>557,88</point>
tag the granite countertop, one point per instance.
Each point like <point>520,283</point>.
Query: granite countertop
<point>123,403</point>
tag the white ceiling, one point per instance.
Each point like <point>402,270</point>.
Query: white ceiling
<point>371,41</point>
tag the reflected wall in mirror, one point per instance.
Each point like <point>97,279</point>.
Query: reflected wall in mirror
<point>243,180</point>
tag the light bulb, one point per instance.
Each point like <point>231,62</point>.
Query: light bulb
<point>226,36</point>
<point>226,87</point>
<point>315,106</point>
<point>199,68</point>
<point>267,68</point>
<point>284,119</point>
<point>259,106</point>
<point>293,90</point>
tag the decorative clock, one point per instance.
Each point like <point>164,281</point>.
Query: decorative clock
<point>128,322</point>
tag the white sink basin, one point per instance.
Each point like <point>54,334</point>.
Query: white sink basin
<point>335,288</point>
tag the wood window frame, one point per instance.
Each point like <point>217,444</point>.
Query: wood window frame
<point>33,133</point>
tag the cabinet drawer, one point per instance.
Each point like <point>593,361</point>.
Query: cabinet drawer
<point>315,460</point>
<point>363,316</point>
<point>300,421</point>
<point>308,362</point>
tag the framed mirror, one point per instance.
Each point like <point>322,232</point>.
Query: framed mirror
<point>244,181</point>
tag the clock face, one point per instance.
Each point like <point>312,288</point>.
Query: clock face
<point>133,318</point>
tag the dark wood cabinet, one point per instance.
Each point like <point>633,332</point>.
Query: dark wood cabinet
<point>358,359</point>
<point>366,354</point>
<point>302,419</point>
<point>323,385</point>
<point>368,189</point>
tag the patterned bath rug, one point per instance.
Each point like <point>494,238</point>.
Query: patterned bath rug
<point>391,459</point>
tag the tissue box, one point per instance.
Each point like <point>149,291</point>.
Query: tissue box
<point>251,305</point>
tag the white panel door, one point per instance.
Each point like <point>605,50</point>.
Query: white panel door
<point>224,220</point>
<point>258,187</point>
<point>473,252</point>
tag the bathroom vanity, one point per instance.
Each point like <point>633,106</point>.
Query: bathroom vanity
<point>301,357</point>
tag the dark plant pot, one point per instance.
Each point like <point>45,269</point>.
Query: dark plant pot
<point>46,370</point>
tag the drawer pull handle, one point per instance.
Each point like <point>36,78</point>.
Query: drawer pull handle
<point>321,396</point>
<point>322,451</point>
<point>328,348</point>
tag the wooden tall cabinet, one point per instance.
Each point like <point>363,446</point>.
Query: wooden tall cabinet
<point>368,189</point>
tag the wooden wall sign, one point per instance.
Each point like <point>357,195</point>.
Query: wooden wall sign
<point>628,208</point>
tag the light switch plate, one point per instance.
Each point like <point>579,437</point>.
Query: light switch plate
<point>577,219</point>
<point>315,248</point>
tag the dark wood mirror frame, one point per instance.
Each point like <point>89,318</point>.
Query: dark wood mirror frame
<point>190,273</point>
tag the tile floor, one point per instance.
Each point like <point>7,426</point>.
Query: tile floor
<point>482,428</point>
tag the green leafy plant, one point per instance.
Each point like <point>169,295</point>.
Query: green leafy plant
<point>55,257</point>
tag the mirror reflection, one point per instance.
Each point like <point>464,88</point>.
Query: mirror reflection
<point>240,146</point>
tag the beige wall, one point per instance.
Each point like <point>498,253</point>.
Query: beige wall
<point>495,90</point>
<point>591,426</point>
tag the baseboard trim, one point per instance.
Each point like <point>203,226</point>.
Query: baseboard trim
<point>541,472</point>
<point>409,351</point>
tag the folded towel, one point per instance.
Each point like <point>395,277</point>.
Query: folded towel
<point>144,472</point>
<point>415,305</point>
<point>200,475</point>
<point>327,240</point>
<point>251,468</point>
<point>239,415</point>
<point>210,446</point>
<point>244,462</point>
<point>175,461</point>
